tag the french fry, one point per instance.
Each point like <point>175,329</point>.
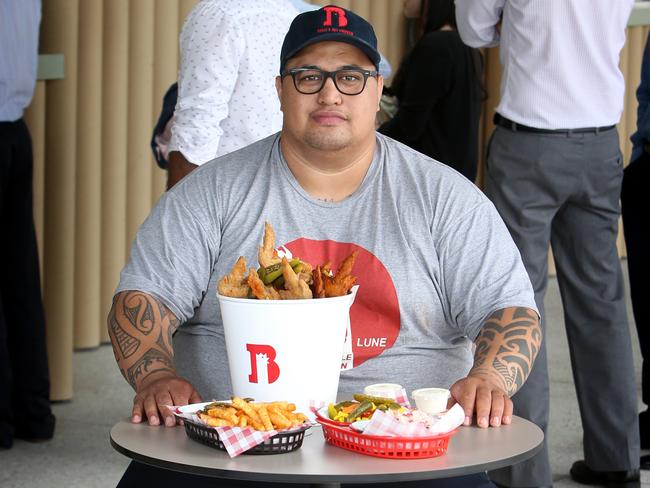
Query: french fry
<point>248,410</point>
<point>278,419</point>
<point>213,422</point>
<point>266,420</point>
<point>226,413</point>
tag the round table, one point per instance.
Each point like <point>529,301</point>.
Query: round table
<point>471,450</point>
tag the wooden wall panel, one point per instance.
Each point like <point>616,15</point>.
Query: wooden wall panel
<point>140,108</point>
<point>59,34</point>
<point>115,89</point>
<point>87,247</point>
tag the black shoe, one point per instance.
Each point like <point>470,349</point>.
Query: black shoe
<point>644,429</point>
<point>582,473</point>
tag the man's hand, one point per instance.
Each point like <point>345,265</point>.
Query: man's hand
<point>482,398</point>
<point>177,168</point>
<point>158,391</point>
<point>505,352</point>
<point>141,329</point>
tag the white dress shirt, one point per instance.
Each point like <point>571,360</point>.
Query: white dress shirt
<point>560,58</point>
<point>230,55</point>
<point>19,22</point>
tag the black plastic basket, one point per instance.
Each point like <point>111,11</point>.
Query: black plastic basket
<point>278,444</point>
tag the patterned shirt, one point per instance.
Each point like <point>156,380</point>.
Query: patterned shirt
<point>230,55</point>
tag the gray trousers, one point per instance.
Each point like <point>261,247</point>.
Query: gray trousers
<point>564,189</point>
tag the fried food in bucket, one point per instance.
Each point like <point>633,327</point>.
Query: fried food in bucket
<point>286,279</point>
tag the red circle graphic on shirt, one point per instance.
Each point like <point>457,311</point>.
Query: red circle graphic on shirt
<point>374,316</point>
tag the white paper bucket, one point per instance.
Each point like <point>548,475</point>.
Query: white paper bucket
<point>286,349</point>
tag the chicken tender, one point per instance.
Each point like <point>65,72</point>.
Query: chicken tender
<point>267,254</point>
<point>342,281</point>
<point>305,273</point>
<point>295,288</point>
<point>260,290</point>
<point>327,285</point>
<point>234,284</point>
<point>317,282</point>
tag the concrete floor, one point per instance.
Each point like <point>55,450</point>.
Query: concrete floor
<point>80,454</point>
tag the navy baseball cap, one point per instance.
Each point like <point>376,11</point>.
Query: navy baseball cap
<point>330,23</point>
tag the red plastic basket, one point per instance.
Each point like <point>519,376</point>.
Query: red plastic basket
<point>384,447</point>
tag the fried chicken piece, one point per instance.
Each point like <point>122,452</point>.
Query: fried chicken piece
<point>317,283</point>
<point>339,284</point>
<point>260,290</point>
<point>342,281</point>
<point>234,284</point>
<point>305,273</point>
<point>267,254</point>
<point>295,288</point>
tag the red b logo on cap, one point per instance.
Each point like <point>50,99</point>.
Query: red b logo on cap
<point>340,13</point>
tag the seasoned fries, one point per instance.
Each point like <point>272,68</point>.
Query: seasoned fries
<point>259,415</point>
<point>283,279</point>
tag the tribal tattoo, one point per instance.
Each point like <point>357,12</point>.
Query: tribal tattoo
<point>141,329</point>
<point>151,361</point>
<point>507,346</point>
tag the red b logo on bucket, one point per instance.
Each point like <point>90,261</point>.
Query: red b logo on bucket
<point>263,367</point>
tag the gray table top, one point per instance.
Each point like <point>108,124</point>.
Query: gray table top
<point>471,450</point>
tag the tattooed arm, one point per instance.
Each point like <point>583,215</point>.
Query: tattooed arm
<point>506,349</point>
<point>141,329</point>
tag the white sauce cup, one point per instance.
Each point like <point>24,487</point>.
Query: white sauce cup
<point>431,400</point>
<point>383,390</point>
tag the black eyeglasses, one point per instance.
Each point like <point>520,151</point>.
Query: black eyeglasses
<point>349,81</point>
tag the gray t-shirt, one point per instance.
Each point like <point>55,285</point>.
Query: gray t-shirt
<point>435,259</point>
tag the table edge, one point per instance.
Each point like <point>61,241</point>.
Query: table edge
<point>305,478</point>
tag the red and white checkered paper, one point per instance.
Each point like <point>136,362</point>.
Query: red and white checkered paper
<point>385,424</point>
<point>236,440</point>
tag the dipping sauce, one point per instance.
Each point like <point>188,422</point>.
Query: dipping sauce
<point>384,390</point>
<point>431,400</point>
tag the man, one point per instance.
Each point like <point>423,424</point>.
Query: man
<point>24,375</point>
<point>442,269</point>
<point>554,174</point>
<point>636,239</point>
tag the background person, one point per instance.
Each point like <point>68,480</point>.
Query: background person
<point>554,172</point>
<point>225,81</point>
<point>438,87</point>
<point>330,184</point>
<point>24,376</point>
<point>636,176</point>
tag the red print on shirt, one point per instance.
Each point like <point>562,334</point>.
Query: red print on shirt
<point>374,315</point>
